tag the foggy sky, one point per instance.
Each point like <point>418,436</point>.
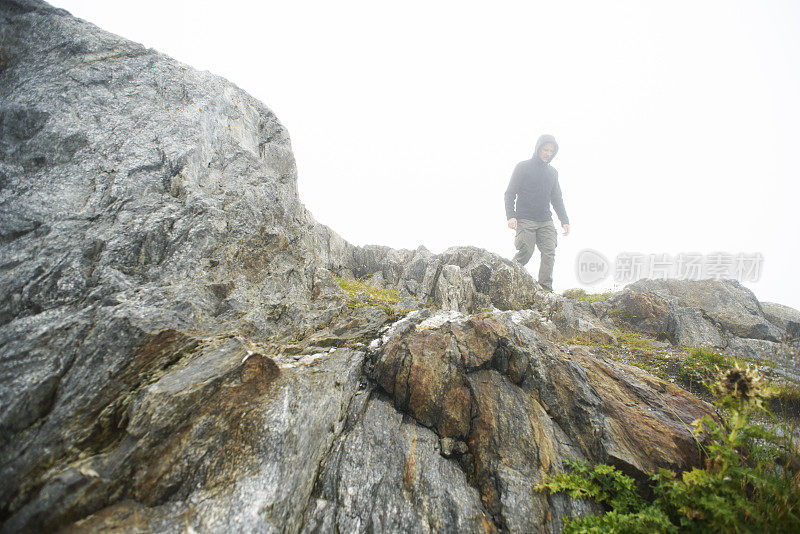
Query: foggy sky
<point>677,121</point>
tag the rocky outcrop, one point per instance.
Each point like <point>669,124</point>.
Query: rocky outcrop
<point>785,318</point>
<point>695,312</point>
<point>522,406</point>
<point>719,314</point>
<point>176,352</point>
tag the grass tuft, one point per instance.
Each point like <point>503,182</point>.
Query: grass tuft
<point>583,296</point>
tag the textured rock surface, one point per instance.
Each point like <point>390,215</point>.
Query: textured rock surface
<point>403,459</point>
<point>785,318</point>
<point>718,314</point>
<point>522,406</point>
<point>176,352</point>
<point>724,303</point>
<point>694,312</point>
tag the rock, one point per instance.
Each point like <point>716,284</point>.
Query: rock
<point>177,355</point>
<point>426,287</point>
<point>148,209</point>
<point>179,437</point>
<point>646,311</point>
<point>468,279</point>
<point>726,302</point>
<point>688,327</point>
<point>578,319</point>
<point>699,313</point>
<point>497,385</point>
<point>784,317</point>
<point>507,284</point>
<point>385,475</point>
<point>453,290</point>
<point>450,446</point>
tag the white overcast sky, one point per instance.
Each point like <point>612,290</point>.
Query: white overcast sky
<point>678,121</point>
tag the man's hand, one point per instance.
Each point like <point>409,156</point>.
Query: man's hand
<point>566,228</point>
<point>512,223</point>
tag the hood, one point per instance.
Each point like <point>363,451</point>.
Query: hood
<point>546,138</point>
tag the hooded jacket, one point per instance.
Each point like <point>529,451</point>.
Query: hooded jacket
<point>534,186</point>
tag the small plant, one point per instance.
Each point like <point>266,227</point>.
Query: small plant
<point>626,339</point>
<point>628,511</point>
<point>583,296</point>
<point>620,313</point>
<point>394,314</point>
<point>788,392</point>
<point>701,364</point>
<point>750,481</point>
<point>787,356</point>
<point>354,343</point>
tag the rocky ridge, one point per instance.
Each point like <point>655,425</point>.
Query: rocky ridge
<point>176,350</point>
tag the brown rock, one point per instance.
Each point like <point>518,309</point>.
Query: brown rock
<point>524,407</point>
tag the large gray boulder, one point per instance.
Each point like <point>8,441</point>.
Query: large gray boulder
<point>694,312</point>
<point>149,213</point>
<point>784,317</point>
<point>690,328</point>
<point>726,303</point>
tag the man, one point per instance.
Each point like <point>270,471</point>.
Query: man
<point>533,187</point>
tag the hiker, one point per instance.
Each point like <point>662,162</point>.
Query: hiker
<point>533,187</point>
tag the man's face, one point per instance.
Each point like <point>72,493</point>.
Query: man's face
<point>547,152</point>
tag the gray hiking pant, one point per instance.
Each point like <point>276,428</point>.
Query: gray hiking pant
<point>543,235</point>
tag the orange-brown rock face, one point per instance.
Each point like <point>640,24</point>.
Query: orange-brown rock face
<point>523,406</point>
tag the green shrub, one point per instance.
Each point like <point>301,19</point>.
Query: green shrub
<point>750,481</point>
<point>701,365</point>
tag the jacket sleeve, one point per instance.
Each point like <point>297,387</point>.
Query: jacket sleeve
<point>511,193</point>
<point>558,202</point>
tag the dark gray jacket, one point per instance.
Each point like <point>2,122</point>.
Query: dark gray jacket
<point>534,186</point>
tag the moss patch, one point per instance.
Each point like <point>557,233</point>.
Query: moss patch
<point>359,293</point>
<point>583,296</point>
